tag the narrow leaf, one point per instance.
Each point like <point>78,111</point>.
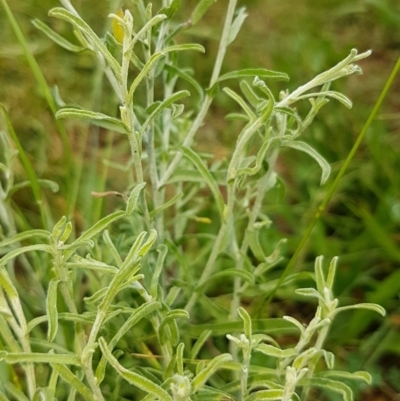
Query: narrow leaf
<point>91,264</point>
<point>100,226</point>
<point>202,338</point>
<point>254,72</point>
<point>137,314</point>
<point>51,308</point>
<point>270,350</point>
<point>95,118</point>
<point>37,357</point>
<point>132,377</point>
<point>19,251</point>
<point>304,147</point>
<point>332,94</point>
<point>236,25</point>
<point>360,375</point>
<point>246,322</point>
<point>374,307</point>
<point>162,253</point>
<point>55,37</point>
<point>249,94</point>
<point>84,28</point>
<point>184,47</point>
<point>133,198</point>
<point>172,9</point>
<point>142,74</point>
<point>205,172</point>
<point>73,381</point>
<point>332,385</point>
<point>209,370</point>
<point>251,115</point>
<point>163,105</point>
<point>169,321</point>
<point>186,77</point>
<point>148,244</point>
<point>200,10</point>
<point>265,395</point>
<point>25,235</point>
<point>309,292</point>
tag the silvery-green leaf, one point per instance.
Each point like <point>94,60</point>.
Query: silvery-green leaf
<point>331,94</point>
<point>237,116</point>
<point>254,72</point>
<point>201,339</point>
<point>91,264</point>
<point>177,110</point>
<point>295,322</point>
<point>237,23</point>
<point>52,185</point>
<point>205,172</point>
<point>265,395</point>
<point>359,375</point>
<point>84,28</point>
<point>172,9</point>
<point>55,37</point>
<point>209,370</point>
<point>137,314</point>
<point>303,359</point>
<point>249,94</point>
<point>169,320</point>
<point>37,233</point>
<point>332,385</point>
<point>111,247</point>
<point>51,308</point>
<point>270,350</point>
<point>273,326</point>
<point>184,47</point>
<point>329,359</point>
<point>100,225</point>
<point>152,21</point>
<point>291,113</point>
<point>200,9</point>
<point>95,118</point>
<point>144,71</point>
<point>331,273</point>
<point>162,253</point>
<point>163,105</point>
<point>374,307</point>
<point>133,198</point>
<point>73,381</point>
<point>132,377</point>
<point>38,357</point>
<point>309,292</point>
<point>96,297</point>
<point>250,114</point>
<point>319,274</point>
<point>247,327</point>
<point>148,244</point>
<point>186,77</point>
<point>179,358</point>
<point>304,147</point>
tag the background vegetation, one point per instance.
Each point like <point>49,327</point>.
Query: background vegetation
<point>300,38</point>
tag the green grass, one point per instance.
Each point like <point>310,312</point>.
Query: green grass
<point>361,200</point>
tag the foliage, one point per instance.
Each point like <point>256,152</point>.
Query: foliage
<point>152,301</point>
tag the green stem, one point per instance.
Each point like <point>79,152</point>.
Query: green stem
<point>198,122</point>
